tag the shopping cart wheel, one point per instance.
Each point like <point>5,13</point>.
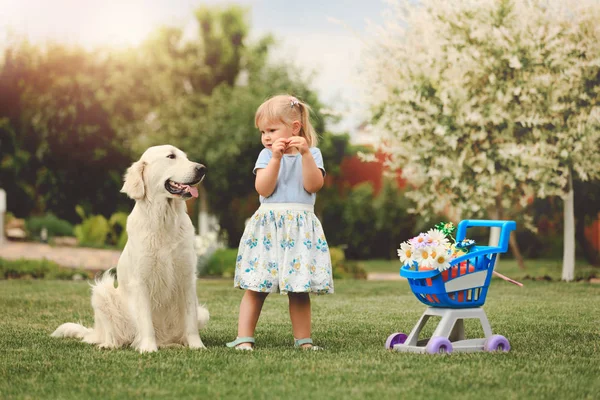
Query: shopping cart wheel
<point>496,343</point>
<point>438,344</point>
<point>395,338</point>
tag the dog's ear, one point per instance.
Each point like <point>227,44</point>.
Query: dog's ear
<point>134,181</point>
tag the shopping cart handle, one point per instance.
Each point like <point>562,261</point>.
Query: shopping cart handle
<point>477,251</point>
<point>407,272</point>
<point>506,227</point>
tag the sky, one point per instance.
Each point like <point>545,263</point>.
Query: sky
<point>306,29</point>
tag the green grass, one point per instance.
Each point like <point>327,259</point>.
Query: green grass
<point>534,268</point>
<point>553,328</point>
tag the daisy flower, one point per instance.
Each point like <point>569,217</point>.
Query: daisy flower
<point>442,261</point>
<point>438,236</point>
<point>405,253</point>
<point>423,257</point>
<point>438,250</point>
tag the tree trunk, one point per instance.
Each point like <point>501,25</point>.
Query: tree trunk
<point>514,247</point>
<point>568,269</point>
<point>512,241</point>
<point>202,212</point>
<point>498,213</point>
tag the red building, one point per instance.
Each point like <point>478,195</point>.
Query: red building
<point>355,171</point>
<point>592,233</point>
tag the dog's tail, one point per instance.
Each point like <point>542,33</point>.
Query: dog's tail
<point>104,283</point>
<point>71,330</point>
<point>203,317</point>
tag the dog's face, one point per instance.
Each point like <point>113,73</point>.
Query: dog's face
<point>163,171</point>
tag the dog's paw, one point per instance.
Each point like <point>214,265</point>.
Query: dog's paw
<point>147,346</point>
<point>195,342</point>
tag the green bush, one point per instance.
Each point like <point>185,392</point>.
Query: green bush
<point>222,263</point>
<point>359,222</point>
<point>37,269</point>
<point>54,225</point>
<point>69,274</point>
<point>393,222</point>
<point>371,226</point>
<point>350,269</point>
<point>118,231</point>
<point>8,217</point>
<point>337,256</point>
<point>93,231</point>
<point>343,268</point>
<point>97,231</point>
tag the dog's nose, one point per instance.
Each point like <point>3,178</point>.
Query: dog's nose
<point>200,170</point>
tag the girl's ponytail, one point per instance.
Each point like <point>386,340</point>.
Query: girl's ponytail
<point>307,130</point>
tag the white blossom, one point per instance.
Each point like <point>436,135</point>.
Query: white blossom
<point>475,107</point>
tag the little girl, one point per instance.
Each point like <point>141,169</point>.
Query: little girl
<point>283,247</point>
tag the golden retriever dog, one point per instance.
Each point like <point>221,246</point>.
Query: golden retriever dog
<point>154,303</point>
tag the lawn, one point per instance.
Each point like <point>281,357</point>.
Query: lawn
<point>553,328</point>
<point>534,268</point>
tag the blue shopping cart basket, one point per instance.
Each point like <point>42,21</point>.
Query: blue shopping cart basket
<point>465,283</point>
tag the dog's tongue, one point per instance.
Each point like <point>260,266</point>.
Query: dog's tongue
<point>193,191</point>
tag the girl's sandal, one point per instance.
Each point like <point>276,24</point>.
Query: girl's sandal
<point>240,340</point>
<point>302,342</point>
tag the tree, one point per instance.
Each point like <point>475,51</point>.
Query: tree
<point>487,104</point>
<point>170,78</point>
<point>393,222</point>
<point>72,120</point>
<point>58,148</point>
<point>224,137</point>
<point>202,98</point>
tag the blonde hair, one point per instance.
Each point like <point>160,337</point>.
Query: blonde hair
<point>287,109</point>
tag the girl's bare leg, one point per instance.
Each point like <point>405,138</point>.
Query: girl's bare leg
<point>250,309</point>
<point>300,315</point>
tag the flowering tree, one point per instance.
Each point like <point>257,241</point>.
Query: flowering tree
<point>486,104</point>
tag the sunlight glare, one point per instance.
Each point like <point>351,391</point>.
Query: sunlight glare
<point>89,23</point>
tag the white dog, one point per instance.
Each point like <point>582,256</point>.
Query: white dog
<point>155,302</point>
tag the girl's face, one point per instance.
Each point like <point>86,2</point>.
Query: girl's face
<point>270,131</point>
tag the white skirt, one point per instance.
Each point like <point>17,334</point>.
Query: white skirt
<point>284,249</point>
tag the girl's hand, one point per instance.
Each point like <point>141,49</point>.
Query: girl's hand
<point>298,142</point>
<point>279,147</point>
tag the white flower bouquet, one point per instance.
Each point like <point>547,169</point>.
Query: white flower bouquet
<point>433,249</point>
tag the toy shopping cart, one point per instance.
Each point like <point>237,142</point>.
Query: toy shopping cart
<point>455,295</point>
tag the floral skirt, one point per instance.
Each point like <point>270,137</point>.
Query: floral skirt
<point>284,249</point>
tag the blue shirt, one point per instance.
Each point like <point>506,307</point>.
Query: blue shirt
<point>289,187</point>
